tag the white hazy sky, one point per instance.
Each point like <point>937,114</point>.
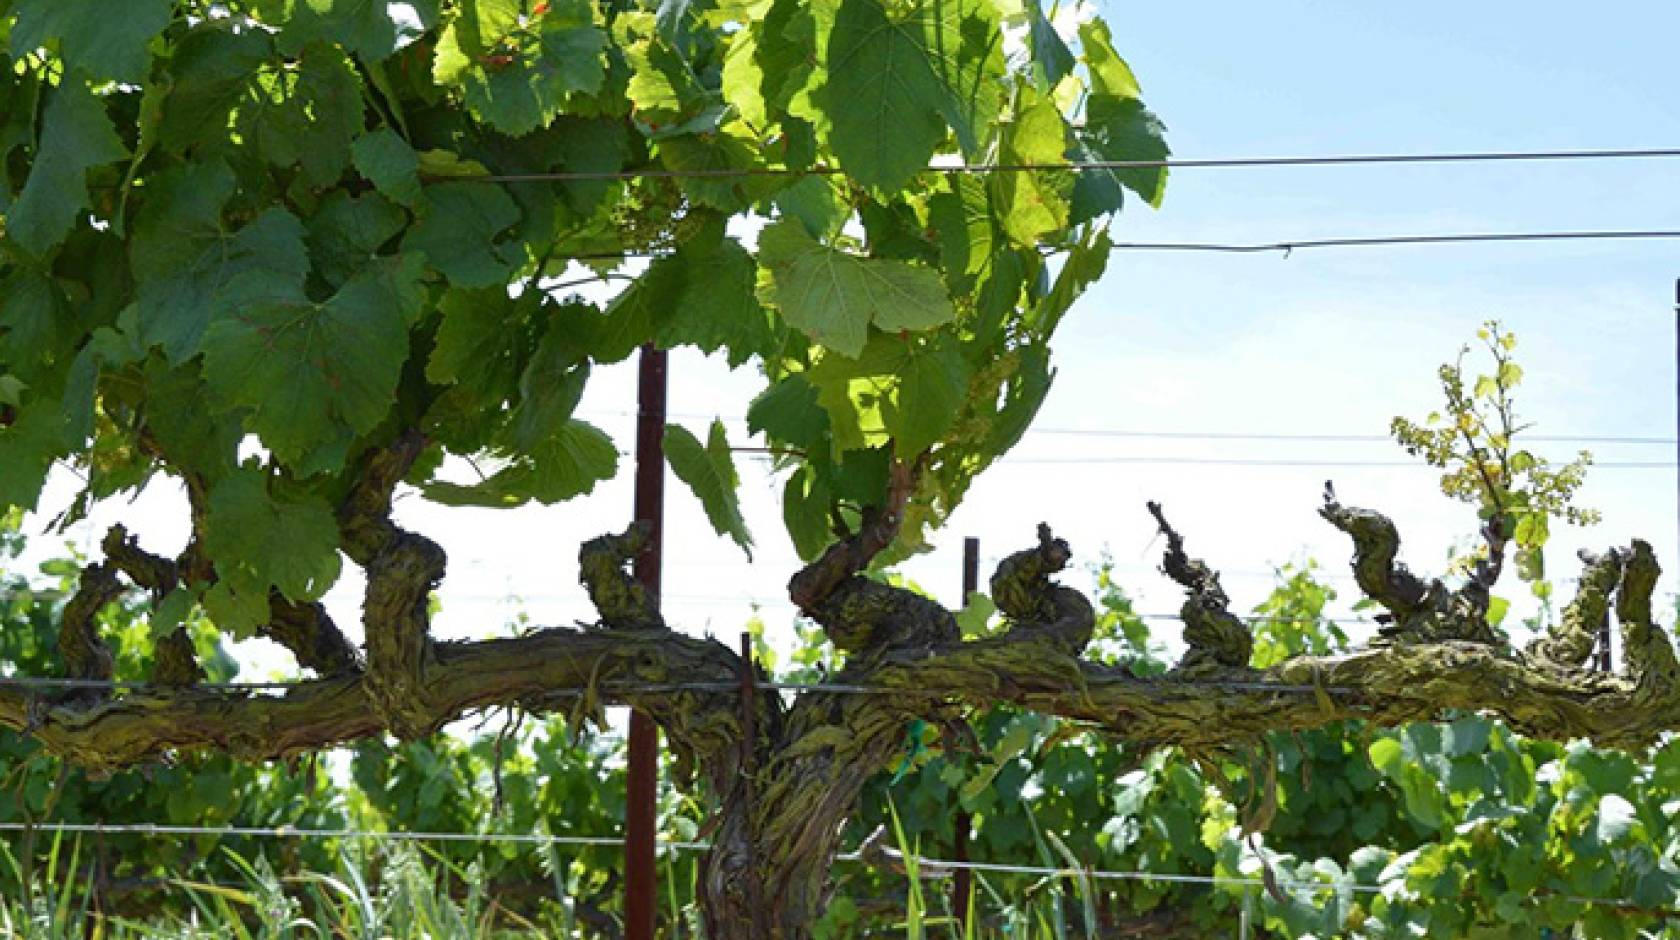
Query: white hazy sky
<point>1319,342</point>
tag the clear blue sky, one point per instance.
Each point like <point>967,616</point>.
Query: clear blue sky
<point>1318,342</point>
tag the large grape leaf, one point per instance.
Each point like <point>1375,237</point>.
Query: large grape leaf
<point>833,296</point>
<point>897,78</point>
<point>1123,129</point>
<point>481,343</point>
<point>32,323</point>
<point>188,433</point>
<point>1033,204</point>
<point>805,512</point>
<point>1110,75</point>
<point>311,373</point>
<point>304,114</point>
<point>457,232</point>
<point>189,270</point>
<point>290,542</point>
<point>346,232</point>
<point>524,84</point>
<point>76,135</point>
<point>28,447</point>
<point>390,164</point>
<point>710,472</point>
<point>789,412</point>
<point>718,307</point>
<point>549,388</point>
<point>882,98</point>
<point>92,35</point>
<point>932,385</point>
<point>364,27</point>
<point>563,466</point>
<point>212,72</point>
<point>911,389</point>
<point>264,542</point>
<point>1052,60</point>
<point>472,35</point>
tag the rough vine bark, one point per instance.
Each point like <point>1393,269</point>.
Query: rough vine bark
<point>774,837</point>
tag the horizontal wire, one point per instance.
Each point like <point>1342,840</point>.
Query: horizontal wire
<point>1199,435</point>
<point>1286,462</point>
<point>1330,438</point>
<point>1389,240</point>
<point>289,832</point>
<point>293,832</point>
<point>1086,166</point>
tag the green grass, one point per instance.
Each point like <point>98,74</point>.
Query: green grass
<point>404,895</point>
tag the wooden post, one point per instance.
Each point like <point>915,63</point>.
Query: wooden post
<point>749,781</point>
<point>960,881</point>
<point>641,809</point>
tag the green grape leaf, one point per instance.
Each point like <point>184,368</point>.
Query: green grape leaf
<point>976,615</point>
<point>390,164</point>
<point>1110,75</point>
<point>212,73</point>
<point>719,307</point>
<point>743,78</point>
<point>789,412</point>
<point>549,388</point>
<point>912,391</point>
<point>480,344</point>
<point>833,296</point>
<point>561,467</point>
<point>523,82</point>
<point>76,135</point>
<point>171,612</point>
<point>32,321</point>
<point>190,271</point>
<point>306,116</point>
<point>472,36</point>
<point>897,79</point>
<point>882,98</point>
<point>313,373</point>
<point>188,433</point>
<point>289,542</point>
<point>1033,204</point>
<point>27,449</point>
<point>805,507</point>
<point>1123,129</point>
<point>634,317</point>
<point>92,36</point>
<point>347,232</point>
<point>933,382</point>
<point>237,603</point>
<point>364,27</point>
<point>710,472</point>
<point>1051,57</point>
<point>457,232</point>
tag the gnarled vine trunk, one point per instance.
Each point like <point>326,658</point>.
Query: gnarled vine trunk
<point>782,797</point>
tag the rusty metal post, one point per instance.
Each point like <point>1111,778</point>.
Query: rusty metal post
<point>960,889</point>
<point>749,781</point>
<point>641,809</point>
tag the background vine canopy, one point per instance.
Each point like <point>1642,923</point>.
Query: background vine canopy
<point>299,222</point>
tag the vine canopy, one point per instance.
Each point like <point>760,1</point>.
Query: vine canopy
<point>247,244</point>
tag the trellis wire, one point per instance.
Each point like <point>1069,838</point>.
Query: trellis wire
<point>1085,166</point>
<point>1272,436</point>
<point>294,832</point>
<point>923,862</point>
